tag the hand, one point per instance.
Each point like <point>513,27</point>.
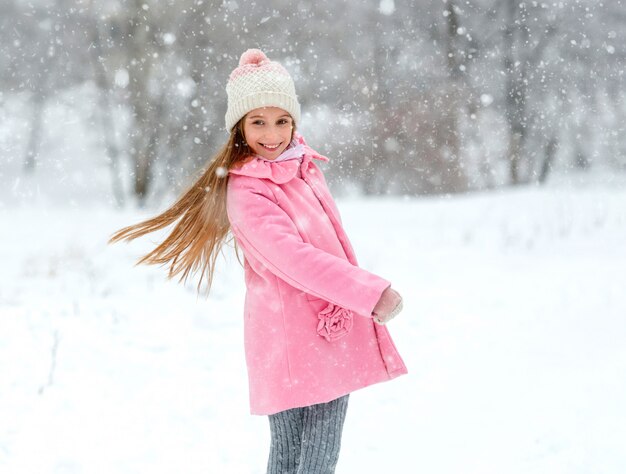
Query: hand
<point>389,306</point>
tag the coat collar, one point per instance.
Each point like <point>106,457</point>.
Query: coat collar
<point>278,172</point>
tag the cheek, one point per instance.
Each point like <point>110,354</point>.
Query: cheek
<point>249,138</point>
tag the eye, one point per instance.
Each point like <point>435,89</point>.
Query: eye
<point>283,122</point>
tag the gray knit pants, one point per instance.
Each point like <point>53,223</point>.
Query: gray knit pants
<point>306,440</point>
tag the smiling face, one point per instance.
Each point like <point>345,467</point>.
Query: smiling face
<point>267,131</point>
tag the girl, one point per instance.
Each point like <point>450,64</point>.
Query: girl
<point>313,320</point>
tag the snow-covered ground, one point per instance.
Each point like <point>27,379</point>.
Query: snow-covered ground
<point>513,331</point>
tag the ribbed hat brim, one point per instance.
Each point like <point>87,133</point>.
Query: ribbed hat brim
<point>261,99</point>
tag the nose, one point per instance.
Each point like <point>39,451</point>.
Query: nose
<point>272,133</point>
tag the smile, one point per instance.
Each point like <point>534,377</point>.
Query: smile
<point>270,147</point>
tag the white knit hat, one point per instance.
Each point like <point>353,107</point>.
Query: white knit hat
<point>259,82</point>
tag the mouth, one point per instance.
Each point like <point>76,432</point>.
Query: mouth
<point>269,147</point>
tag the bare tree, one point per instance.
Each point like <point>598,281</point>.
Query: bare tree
<point>105,109</point>
<point>521,54</point>
<point>402,93</point>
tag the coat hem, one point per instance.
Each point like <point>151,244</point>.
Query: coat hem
<point>335,395</point>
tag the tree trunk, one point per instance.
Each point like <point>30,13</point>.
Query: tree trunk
<point>104,114</point>
<point>550,150</point>
<point>515,99</point>
<point>146,110</point>
<point>453,177</point>
<point>34,138</point>
<point>145,159</point>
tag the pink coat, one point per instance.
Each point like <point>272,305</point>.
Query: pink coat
<point>309,335</point>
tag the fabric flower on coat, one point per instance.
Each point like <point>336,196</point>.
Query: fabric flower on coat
<point>335,322</point>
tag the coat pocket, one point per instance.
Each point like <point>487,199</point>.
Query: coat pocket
<point>334,322</point>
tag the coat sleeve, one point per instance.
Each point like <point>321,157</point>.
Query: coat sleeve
<point>267,233</point>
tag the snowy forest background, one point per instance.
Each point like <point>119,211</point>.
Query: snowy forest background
<point>478,157</point>
<point>412,97</point>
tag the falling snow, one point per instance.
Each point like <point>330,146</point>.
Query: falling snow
<point>478,153</point>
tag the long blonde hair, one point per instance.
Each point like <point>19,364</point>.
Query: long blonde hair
<point>197,238</point>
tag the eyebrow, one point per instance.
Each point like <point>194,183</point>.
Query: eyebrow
<point>262,116</point>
